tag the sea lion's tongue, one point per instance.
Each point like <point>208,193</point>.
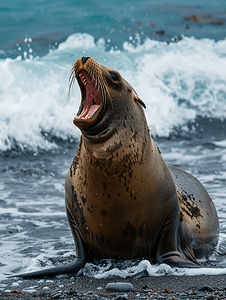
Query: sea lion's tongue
<point>92,109</point>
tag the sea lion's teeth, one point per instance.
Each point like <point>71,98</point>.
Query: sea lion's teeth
<point>83,113</point>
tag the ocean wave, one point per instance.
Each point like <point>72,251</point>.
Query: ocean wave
<point>179,82</point>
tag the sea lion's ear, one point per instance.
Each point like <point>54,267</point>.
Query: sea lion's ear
<point>140,101</point>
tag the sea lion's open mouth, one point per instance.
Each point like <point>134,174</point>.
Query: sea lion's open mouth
<point>91,96</point>
<point>94,94</point>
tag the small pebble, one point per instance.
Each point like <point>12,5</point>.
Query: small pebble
<point>144,286</point>
<point>58,292</point>
<point>45,288</point>
<point>199,294</point>
<point>183,295</point>
<point>122,297</point>
<point>89,293</point>
<point>143,295</point>
<point>56,296</point>
<point>27,290</point>
<point>41,281</point>
<point>119,287</point>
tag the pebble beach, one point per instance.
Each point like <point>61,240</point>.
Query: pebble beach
<point>72,288</point>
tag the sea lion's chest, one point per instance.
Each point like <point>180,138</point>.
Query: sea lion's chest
<point>117,206</point>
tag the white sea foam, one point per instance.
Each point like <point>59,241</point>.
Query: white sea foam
<point>145,267</point>
<point>221,143</point>
<point>177,81</point>
<point>149,269</point>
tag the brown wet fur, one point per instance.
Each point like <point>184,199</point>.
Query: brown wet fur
<point>119,191</point>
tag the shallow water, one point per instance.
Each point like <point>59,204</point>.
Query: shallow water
<point>39,25</point>
<point>34,228</point>
<point>183,85</point>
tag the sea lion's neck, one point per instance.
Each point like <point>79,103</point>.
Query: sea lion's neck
<point>124,147</point>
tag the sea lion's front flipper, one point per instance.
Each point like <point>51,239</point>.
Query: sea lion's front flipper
<point>174,244</point>
<point>70,268</point>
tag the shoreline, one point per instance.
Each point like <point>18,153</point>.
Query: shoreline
<point>72,287</point>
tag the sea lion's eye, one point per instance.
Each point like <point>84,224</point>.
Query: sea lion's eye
<point>114,76</point>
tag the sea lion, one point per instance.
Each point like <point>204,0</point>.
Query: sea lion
<point>122,200</point>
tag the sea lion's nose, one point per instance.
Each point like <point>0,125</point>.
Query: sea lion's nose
<point>84,59</point>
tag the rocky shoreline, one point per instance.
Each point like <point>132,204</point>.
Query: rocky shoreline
<point>72,288</point>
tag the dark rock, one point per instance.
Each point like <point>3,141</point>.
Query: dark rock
<point>144,286</point>
<point>203,288</point>
<point>71,292</point>
<point>119,287</point>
